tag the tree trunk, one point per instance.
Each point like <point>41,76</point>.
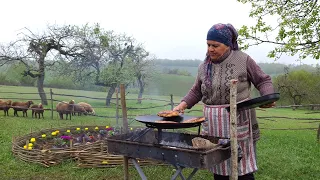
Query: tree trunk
<point>110,93</point>
<point>141,89</point>
<point>41,92</point>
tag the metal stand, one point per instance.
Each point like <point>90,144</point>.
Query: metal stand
<point>138,168</point>
<point>199,129</point>
<point>176,174</point>
<point>177,167</point>
<point>179,172</point>
<point>159,135</point>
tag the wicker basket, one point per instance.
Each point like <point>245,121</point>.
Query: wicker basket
<point>97,156</point>
<point>86,155</point>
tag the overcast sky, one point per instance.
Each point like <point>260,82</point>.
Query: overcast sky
<point>171,29</point>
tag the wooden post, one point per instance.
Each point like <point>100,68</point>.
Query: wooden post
<point>124,108</point>
<point>71,143</point>
<point>318,135</point>
<point>125,128</point>
<point>126,167</point>
<point>117,107</point>
<point>171,101</point>
<point>51,103</point>
<point>233,129</point>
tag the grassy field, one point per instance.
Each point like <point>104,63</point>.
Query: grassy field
<point>165,83</point>
<point>282,154</point>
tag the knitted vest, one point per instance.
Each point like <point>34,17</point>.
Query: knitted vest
<point>233,67</point>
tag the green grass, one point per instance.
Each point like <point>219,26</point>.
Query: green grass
<point>165,84</point>
<point>282,154</point>
<point>288,154</point>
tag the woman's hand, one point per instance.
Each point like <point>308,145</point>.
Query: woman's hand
<point>181,107</point>
<point>268,105</point>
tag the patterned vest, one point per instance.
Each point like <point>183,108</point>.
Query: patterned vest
<point>233,67</point>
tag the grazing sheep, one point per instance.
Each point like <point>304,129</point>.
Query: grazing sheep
<point>5,106</point>
<point>21,106</point>
<point>87,107</point>
<point>72,102</point>
<point>37,109</point>
<point>65,108</point>
<point>79,109</point>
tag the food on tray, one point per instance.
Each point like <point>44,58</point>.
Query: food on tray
<point>202,143</point>
<point>168,113</point>
<point>194,120</point>
<point>160,121</point>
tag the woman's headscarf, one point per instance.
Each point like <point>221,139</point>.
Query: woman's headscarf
<point>223,33</point>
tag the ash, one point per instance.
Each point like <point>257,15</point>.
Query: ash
<point>179,144</point>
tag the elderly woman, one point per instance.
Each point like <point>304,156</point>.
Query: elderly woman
<point>224,61</point>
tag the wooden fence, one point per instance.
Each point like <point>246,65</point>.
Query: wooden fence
<point>117,103</point>
<point>167,103</point>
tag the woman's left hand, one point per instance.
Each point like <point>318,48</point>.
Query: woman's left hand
<point>268,105</point>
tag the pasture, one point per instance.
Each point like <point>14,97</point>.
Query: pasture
<point>282,154</point>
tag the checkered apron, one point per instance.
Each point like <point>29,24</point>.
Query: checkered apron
<point>217,124</point>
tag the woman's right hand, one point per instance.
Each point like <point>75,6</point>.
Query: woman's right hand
<point>181,107</point>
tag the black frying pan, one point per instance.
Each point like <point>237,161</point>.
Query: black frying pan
<point>256,102</point>
<point>150,121</point>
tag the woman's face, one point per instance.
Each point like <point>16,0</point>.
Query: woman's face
<point>216,49</point>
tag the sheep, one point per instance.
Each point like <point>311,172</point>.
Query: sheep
<point>21,106</point>
<point>65,108</point>
<point>72,102</point>
<point>5,106</point>
<point>79,109</point>
<point>87,107</point>
<point>37,109</point>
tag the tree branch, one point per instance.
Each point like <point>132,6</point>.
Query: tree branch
<point>31,74</point>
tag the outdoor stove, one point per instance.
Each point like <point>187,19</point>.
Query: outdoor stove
<point>174,148</point>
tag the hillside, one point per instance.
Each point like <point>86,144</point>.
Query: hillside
<point>273,69</point>
<point>161,83</point>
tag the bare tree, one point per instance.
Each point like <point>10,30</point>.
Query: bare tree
<point>95,54</point>
<point>143,65</point>
<point>103,52</point>
<point>32,50</point>
<point>291,85</point>
<point>120,48</point>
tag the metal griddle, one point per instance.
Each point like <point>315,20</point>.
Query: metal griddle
<point>150,121</point>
